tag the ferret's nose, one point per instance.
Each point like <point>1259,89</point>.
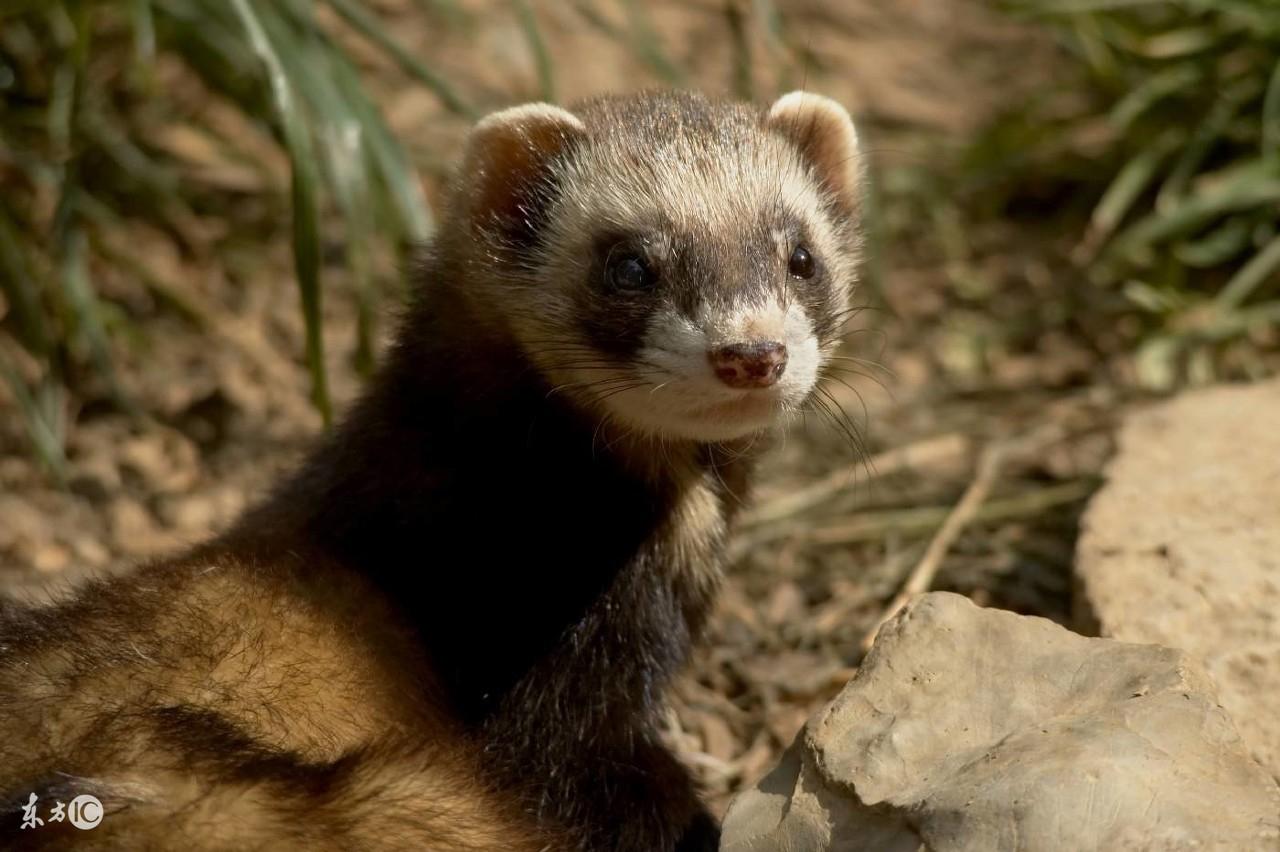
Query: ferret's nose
<point>750,365</point>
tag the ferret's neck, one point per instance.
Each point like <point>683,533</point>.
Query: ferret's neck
<point>488,510</point>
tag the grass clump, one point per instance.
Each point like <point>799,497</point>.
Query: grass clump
<point>79,99</point>
<point>1160,150</point>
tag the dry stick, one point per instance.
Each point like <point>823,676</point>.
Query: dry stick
<point>925,453</point>
<point>761,525</point>
<point>921,577</point>
<point>927,519</point>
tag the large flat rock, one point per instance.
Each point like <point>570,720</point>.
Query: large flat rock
<point>1181,547</point>
<point>978,729</point>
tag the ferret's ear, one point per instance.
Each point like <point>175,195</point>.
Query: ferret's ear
<point>823,131</point>
<point>507,163</point>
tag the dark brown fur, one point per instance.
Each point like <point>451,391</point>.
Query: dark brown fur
<point>450,630</point>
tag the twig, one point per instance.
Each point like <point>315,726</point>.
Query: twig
<point>925,453</point>
<point>921,577</point>
<point>906,522</point>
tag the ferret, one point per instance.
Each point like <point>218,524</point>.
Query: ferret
<point>452,626</point>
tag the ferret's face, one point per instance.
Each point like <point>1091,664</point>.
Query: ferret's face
<point>704,308</point>
<point>692,286</point>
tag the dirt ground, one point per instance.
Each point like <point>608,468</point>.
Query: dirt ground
<point>990,348</point>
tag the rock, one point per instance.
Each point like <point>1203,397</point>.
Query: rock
<point>1181,547</point>
<point>717,739</point>
<point>978,729</point>
<point>165,459</point>
<point>134,531</point>
<point>786,605</point>
<point>21,523</point>
<point>191,513</point>
<point>89,550</point>
<point>96,477</point>
<point>50,558</point>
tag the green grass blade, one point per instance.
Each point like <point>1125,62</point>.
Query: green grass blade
<point>1154,89</point>
<point>448,10</point>
<point>588,12</point>
<point>144,31</point>
<point>74,274</point>
<point>1271,115</point>
<point>1175,44</point>
<point>1264,265</point>
<point>70,241</point>
<point>1075,7</point>
<point>1197,149</point>
<point>538,47</point>
<point>646,44</point>
<point>342,137</point>
<point>389,160</point>
<point>396,173</point>
<point>1218,246</point>
<point>637,36</point>
<point>44,437</point>
<point>369,26</point>
<point>352,193</point>
<point>1129,183</point>
<point>348,123</point>
<point>1198,211</point>
<point>208,34</point>
<point>152,178</point>
<point>1092,47</point>
<point>16,8</point>
<point>793,64</point>
<point>358,151</point>
<point>772,25</point>
<point>61,105</point>
<point>740,51</point>
<point>303,193</point>
<point>21,291</point>
<point>876,235</point>
<point>351,188</point>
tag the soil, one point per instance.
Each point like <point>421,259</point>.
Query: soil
<point>960,351</point>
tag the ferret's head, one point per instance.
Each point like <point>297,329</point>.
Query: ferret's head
<point>679,266</point>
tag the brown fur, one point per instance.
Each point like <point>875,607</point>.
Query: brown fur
<point>215,703</point>
<point>452,627</point>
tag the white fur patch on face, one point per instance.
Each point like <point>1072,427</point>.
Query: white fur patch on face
<point>684,398</point>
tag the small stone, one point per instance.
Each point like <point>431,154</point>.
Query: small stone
<point>786,605</point>
<point>717,740</point>
<point>166,461</point>
<point>50,558</point>
<point>20,522</point>
<point>133,529</point>
<point>194,513</point>
<point>90,550</point>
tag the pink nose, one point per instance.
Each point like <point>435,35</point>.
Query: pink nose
<point>750,365</point>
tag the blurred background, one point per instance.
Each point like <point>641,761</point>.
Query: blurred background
<point>206,205</point>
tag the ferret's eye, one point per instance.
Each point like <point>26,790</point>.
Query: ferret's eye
<point>630,272</point>
<point>801,264</point>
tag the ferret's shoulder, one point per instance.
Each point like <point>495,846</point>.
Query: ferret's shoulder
<point>218,701</point>
<point>283,663</point>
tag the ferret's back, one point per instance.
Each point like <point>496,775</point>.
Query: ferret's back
<point>219,704</point>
